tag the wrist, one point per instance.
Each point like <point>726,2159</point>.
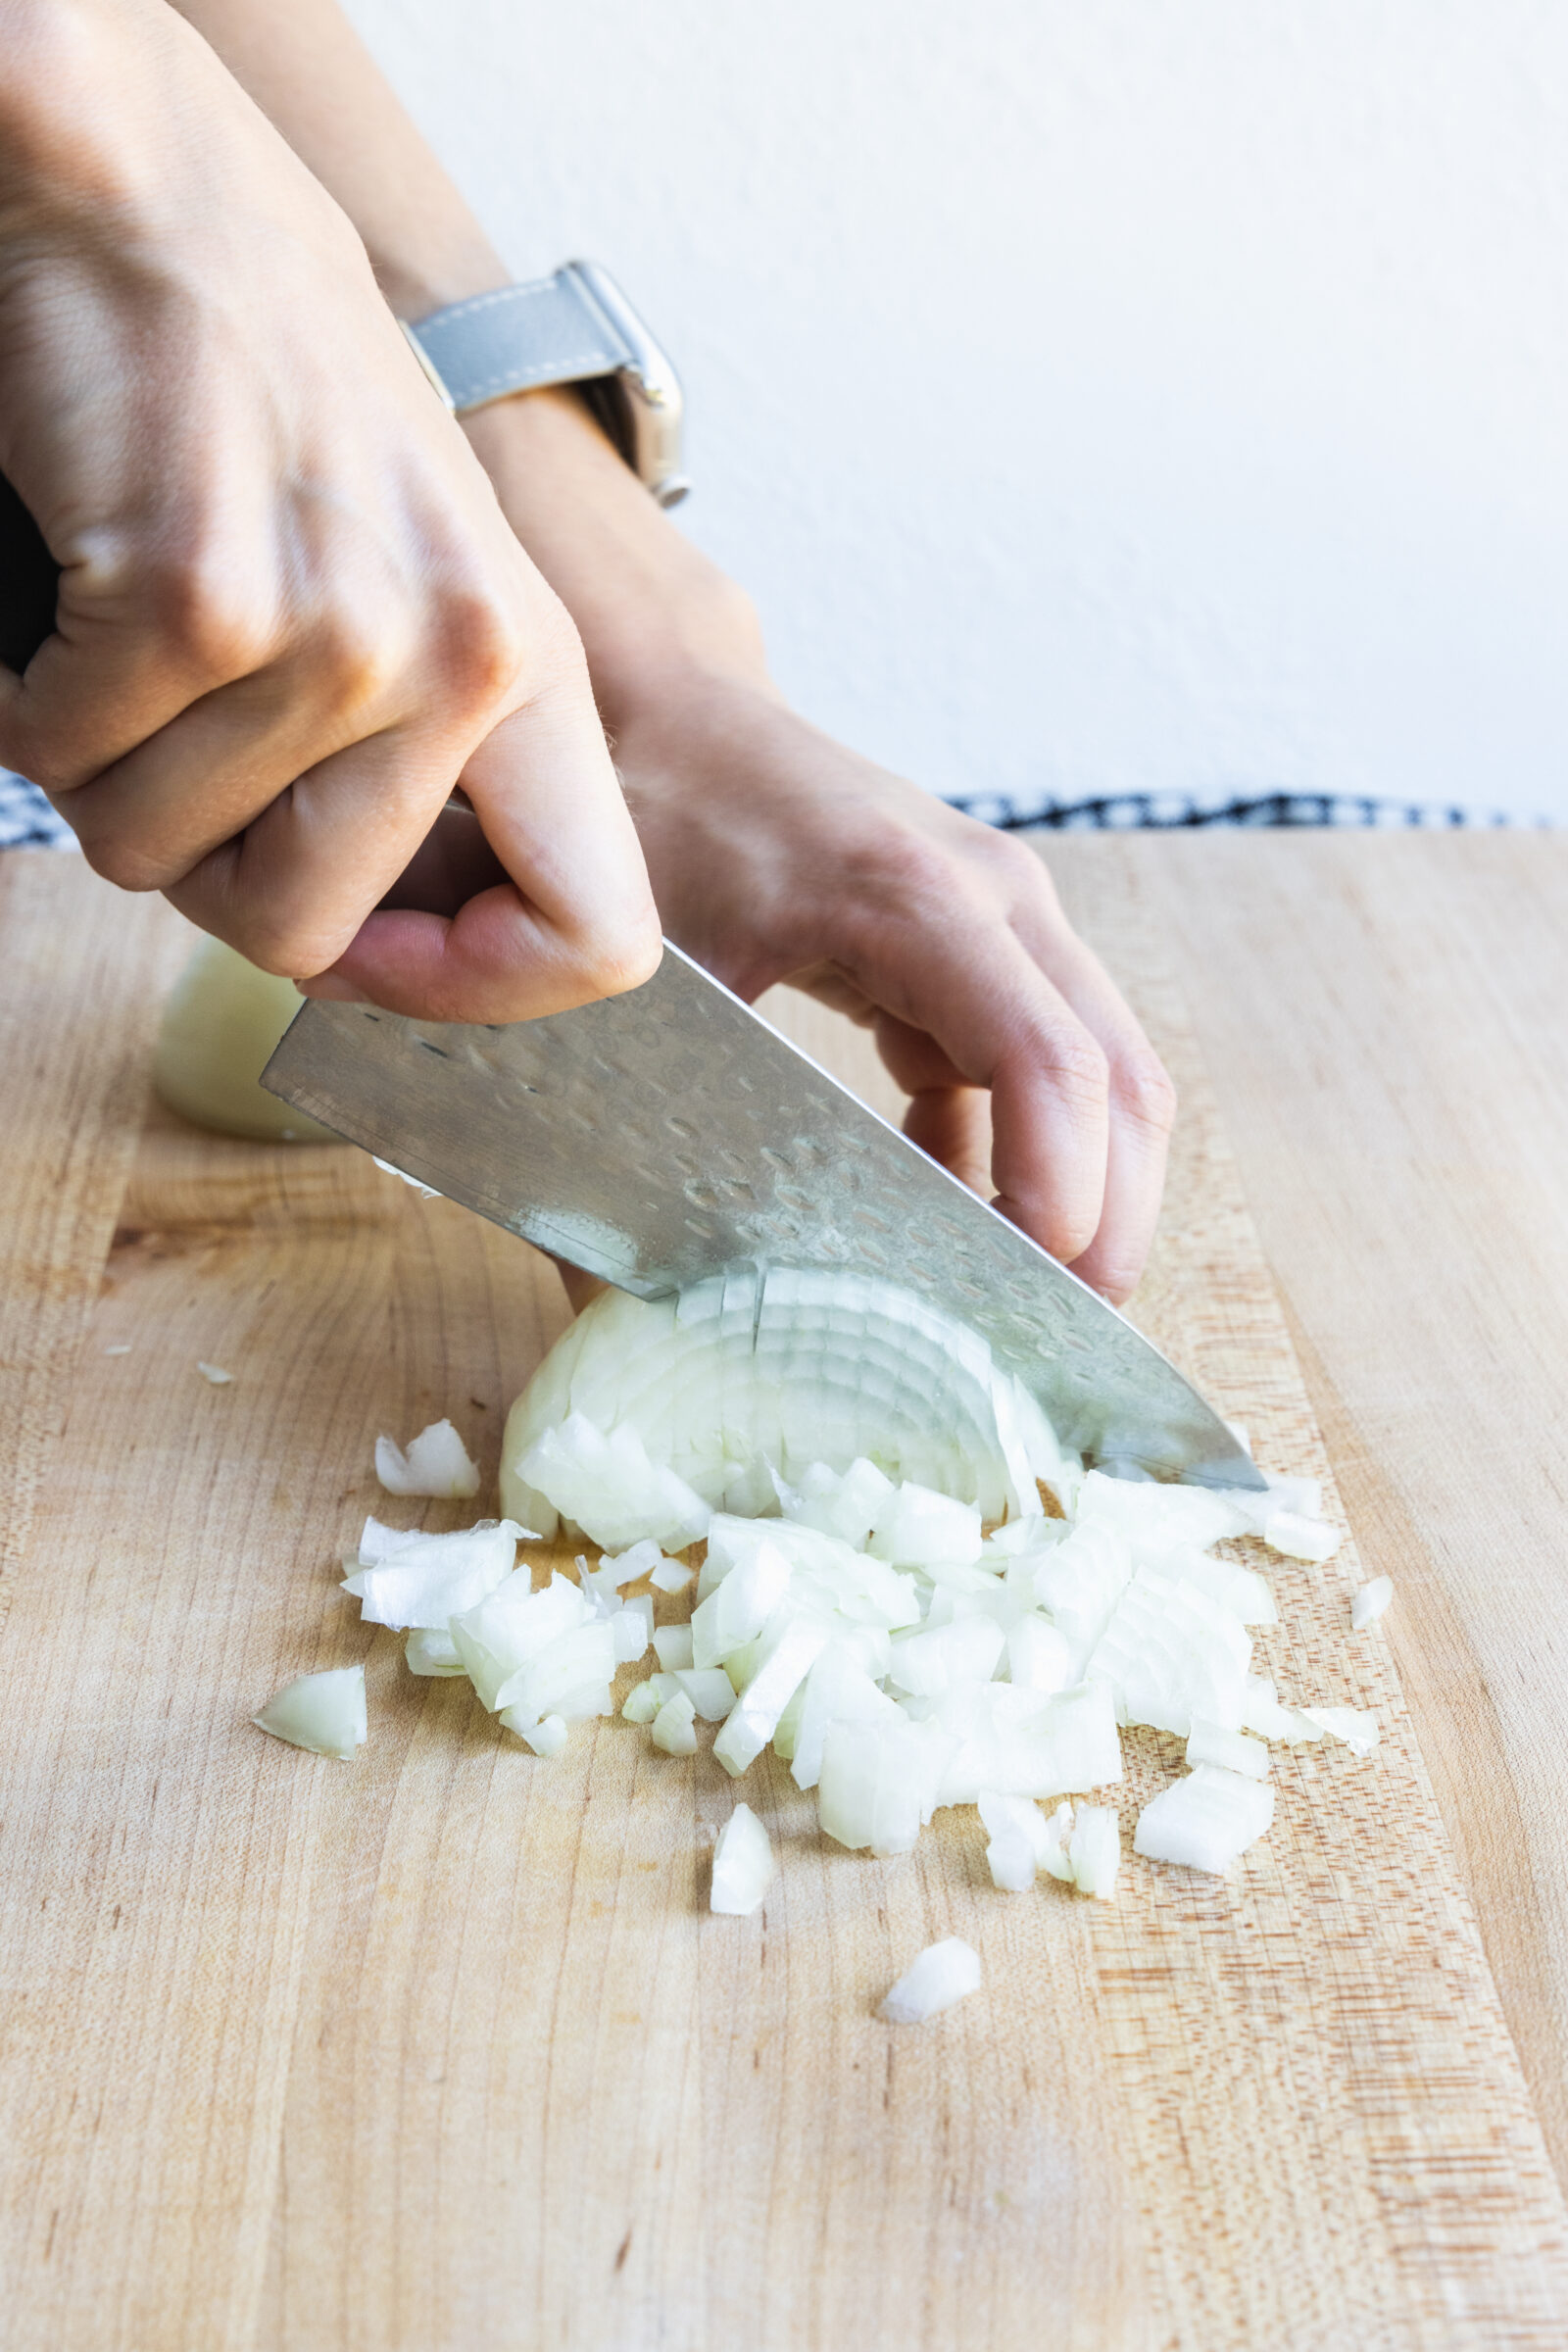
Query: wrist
<point>660,622</point>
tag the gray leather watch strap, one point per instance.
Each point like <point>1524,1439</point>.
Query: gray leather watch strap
<point>550,331</point>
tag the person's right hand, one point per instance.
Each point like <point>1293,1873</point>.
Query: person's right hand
<point>291,614</point>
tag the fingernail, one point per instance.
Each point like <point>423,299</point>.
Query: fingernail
<point>332,987</point>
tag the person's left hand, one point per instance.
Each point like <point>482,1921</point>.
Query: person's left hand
<point>776,855</point>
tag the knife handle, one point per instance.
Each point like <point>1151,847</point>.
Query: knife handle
<point>30,582</point>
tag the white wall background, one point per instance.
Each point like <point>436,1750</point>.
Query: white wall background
<point>1098,396</point>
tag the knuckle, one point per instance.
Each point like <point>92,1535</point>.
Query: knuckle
<point>1145,1090</point>
<point>484,647</point>
<point>625,957</point>
<point>351,656</point>
<point>127,863</point>
<point>205,612</point>
<point>1078,1065</point>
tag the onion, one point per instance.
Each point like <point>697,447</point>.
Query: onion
<point>215,1375</point>
<point>606,1485</point>
<point>1026,1743</point>
<point>1204,1821</point>
<point>790,1651</point>
<point>1172,1654</point>
<point>1370,1602</point>
<point>1357,1726</point>
<point>324,1712</point>
<point>433,1653</point>
<point>878,1782</point>
<point>514,1625</point>
<point>710,1689</point>
<point>673,1726</point>
<point>1095,1851</point>
<point>1021,1839</point>
<point>746,1376</point>
<point>1300,1537</point>
<point>424,1581</point>
<point>942,1974</point>
<point>437,1463</point>
<point>1211,1743</point>
<point>841,1448</point>
<point>743,1867</point>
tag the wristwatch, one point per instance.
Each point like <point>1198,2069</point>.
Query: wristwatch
<point>575,329</point>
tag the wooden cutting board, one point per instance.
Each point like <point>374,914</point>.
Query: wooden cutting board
<point>443,2050</point>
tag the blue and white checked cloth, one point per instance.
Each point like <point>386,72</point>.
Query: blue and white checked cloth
<point>27,822</point>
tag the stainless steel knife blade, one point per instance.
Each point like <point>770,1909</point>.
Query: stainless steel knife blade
<point>664,1135</point>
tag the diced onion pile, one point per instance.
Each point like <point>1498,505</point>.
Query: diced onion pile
<point>882,1597</point>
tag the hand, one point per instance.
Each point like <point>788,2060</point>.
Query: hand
<point>777,855</point>
<point>291,617</point>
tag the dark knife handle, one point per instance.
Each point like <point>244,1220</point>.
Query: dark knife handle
<point>30,582</point>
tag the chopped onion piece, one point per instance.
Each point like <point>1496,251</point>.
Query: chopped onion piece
<point>1261,1711</point>
<point>625,1567</point>
<point>437,1462</point>
<point>1357,1726</point>
<point>1211,1744</point>
<point>878,1782</point>
<point>1095,1851</point>
<point>1172,1654</point>
<point>1370,1602</point>
<point>673,1643</point>
<point>838,1690</point>
<point>670,1577</point>
<point>214,1374</point>
<point>120,1348</point>
<point>674,1727</point>
<point>743,1867</point>
<point>569,1677</point>
<point>843,1505</point>
<point>1204,1821</point>
<point>427,1652</point>
<point>607,1485</point>
<point>965,1652</point>
<point>1300,1537</point>
<point>736,1612</point>
<point>1026,1745</point>
<point>1038,1656</point>
<point>323,1712</point>
<point>915,1528</point>
<point>942,1974</point>
<point>710,1689</point>
<point>787,1656</point>
<point>547,1736</point>
<point>632,1628</point>
<point>513,1625</point>
<point>1021,1839</point>
<point>643,1702</point>
<point>425,1581</point>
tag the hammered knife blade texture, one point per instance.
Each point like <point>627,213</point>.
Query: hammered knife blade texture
<point>662,1135</point>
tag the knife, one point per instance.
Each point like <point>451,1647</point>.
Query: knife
<point>664,1135</point>
<point>668,1134</point>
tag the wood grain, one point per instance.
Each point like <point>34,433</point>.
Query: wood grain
<point>1386,1024</point>
<point>442,2050</point>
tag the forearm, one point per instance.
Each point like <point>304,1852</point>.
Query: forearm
<point>308,69</point>
<point>647,604</point>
